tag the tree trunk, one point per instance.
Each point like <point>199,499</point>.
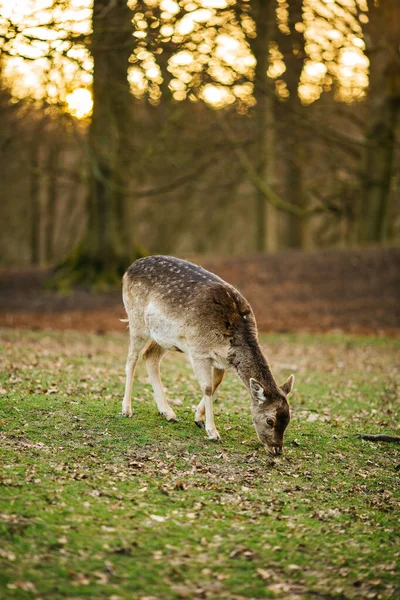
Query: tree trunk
<point>108,246</point>
<point>292,47</point>
<point>381,36</point>
<point>51,205</point>
<point>36,213</point>
<point>263,13</point>
<point>378,171</point>
<point>110,130</point>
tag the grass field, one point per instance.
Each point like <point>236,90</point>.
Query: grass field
<point>97,506</point>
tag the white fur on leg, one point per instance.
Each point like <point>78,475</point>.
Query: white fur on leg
<point>203,370</point>
<point>199,416</point>
<point>162,404</point>
<point>129,369</point>
<point>210,425</point>
<point>153,371</point>
<point>135,346</point>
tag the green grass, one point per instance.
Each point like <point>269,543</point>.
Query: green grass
<point>93,505</point>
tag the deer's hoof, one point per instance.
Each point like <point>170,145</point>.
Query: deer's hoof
<point>171,418</point>
<point>214,436</point>
<point>200,424</point>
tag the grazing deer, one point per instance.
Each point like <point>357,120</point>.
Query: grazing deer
<point>173,304</point>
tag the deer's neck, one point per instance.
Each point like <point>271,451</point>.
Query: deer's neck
<point>248,361</point>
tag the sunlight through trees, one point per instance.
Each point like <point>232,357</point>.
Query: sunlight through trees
<point>202,49</point>
<point>227,125</point>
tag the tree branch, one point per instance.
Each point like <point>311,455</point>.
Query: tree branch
<point>163,189</point>
<point>256,180</point>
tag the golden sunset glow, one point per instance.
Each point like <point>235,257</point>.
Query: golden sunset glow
<point>51,67</point>
<point>42,62</point>
<point>80,103</point>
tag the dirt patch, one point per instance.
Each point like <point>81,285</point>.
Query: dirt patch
<point>352,291</point>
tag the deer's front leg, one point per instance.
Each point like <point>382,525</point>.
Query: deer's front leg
<point>199,419</point>
<point>203,370</point>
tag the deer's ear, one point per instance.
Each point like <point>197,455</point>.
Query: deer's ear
<point>257,391</point>
<point>288,385</point>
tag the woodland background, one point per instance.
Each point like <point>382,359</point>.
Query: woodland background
<point>218,126</point>
<point>260,139</point>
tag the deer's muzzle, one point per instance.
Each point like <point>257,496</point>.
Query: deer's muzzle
<point>274,450</point>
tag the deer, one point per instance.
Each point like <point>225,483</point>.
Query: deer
<point>173,304</point>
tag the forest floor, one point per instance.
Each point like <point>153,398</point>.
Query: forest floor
<point>356,291</point>
<point>94,505</point>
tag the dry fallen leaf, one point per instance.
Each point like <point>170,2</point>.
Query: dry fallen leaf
<point>278,588</point>
<point>312,417</point>
<point>80,579</point>
<point>109,567</point>
<point>102,578</point>
<point>265,574</point>
<point>27,586</point>
<point>179,485</point>
<point>183,591</point>
<point>158,518</point>
<point>242,551</point>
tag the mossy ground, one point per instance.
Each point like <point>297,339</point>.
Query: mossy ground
<point>94,505</point>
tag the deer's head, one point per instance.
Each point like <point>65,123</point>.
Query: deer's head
<point>270,412</point>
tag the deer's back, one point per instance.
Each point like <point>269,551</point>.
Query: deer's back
<point>197,301</point>
<point>167,275</point>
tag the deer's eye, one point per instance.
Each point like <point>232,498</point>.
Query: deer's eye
<point>270,422</point>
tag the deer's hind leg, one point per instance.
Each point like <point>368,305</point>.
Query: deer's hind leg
<point>153,357</point>
<point>217,377</point>
<point>138,339</point>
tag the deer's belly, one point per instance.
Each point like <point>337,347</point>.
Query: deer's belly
<point>165,331</point>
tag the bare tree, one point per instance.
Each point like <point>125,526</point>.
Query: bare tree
<point>263,14</point>
<point>291,45</point>
<point>382,40</point>
<point>108,245</point>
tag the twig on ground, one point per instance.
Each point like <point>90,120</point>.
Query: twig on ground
<point>380,438</point>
